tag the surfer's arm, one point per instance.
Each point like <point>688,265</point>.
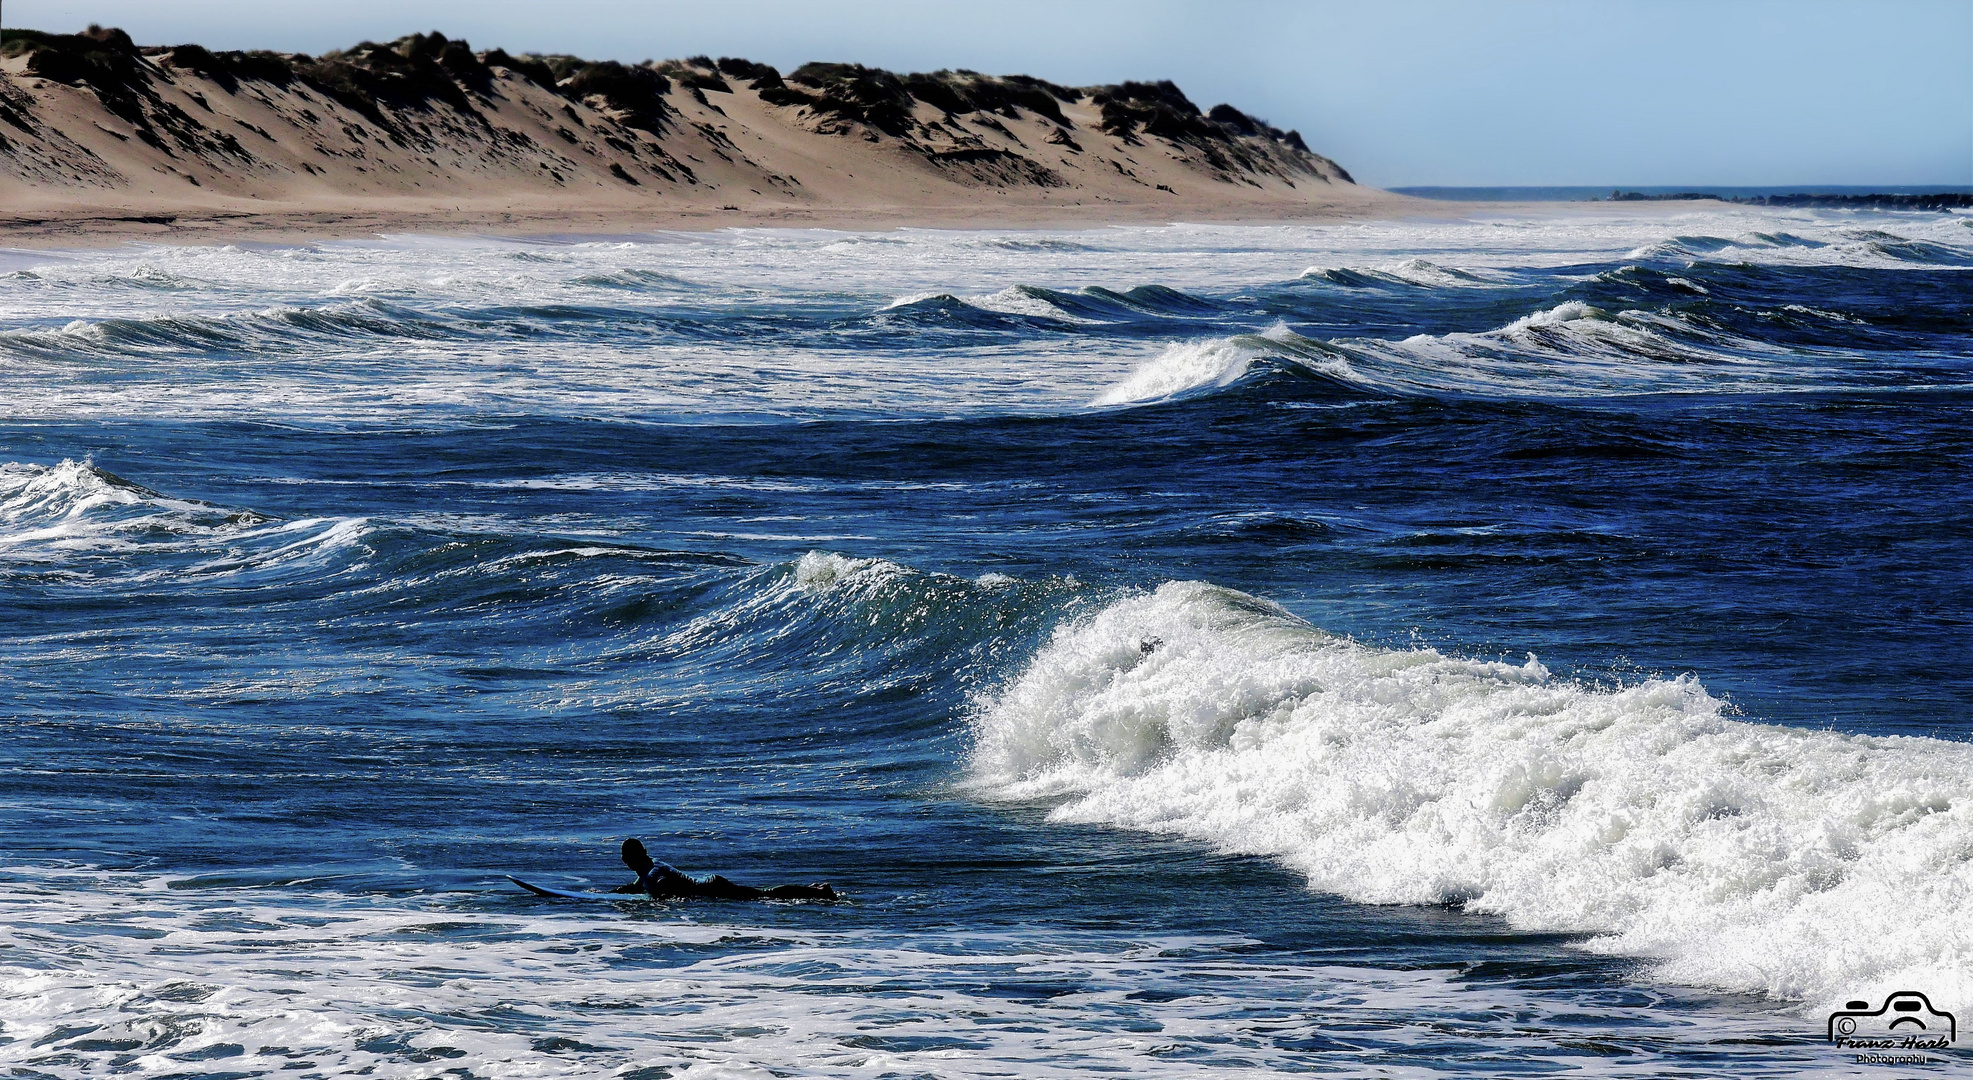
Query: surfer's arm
<point>663,880</point>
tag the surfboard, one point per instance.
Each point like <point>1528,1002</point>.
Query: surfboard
<point>572,894</point>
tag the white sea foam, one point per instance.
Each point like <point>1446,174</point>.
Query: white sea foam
<point>824,571</point>
<point>38,494</point>
<point>106,973</point>
<point>1561,314</point>
<point>1799,864</point>
<point>74,506</point>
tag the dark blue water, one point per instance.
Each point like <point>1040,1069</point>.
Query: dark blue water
<point>1137,631</point>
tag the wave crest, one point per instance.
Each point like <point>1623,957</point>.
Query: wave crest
<point>1188,367</point>
<point>75,521</point>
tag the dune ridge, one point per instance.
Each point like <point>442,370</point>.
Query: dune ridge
<point>101,136</point>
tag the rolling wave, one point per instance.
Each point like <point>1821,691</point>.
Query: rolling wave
<point>1088,306</point>
<point>1572,349</point>
<point>869,625</point>
<point>840,620</point>
<point>1850,247</point>
<point>75,523</point>
<point>329,323</point>
<point>1727,854</point>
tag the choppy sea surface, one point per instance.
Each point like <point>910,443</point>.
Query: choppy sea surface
<point>1500,645</point>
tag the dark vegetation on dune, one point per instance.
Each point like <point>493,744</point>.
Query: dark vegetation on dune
<point>1163,110</point>
<point>108,62</point>
<point>696,73</point>
<point>416,73</point>
<point>1229,140</point>
<point>426,72</point>
<point>887,101</point>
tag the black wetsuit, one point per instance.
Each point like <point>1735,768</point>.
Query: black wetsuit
<point>662,881</point>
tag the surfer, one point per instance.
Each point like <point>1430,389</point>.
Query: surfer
<point>662,881</point>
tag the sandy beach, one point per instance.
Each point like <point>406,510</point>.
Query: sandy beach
<point>94,227</point>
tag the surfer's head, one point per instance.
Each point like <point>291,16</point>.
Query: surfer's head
<point>635,857</point>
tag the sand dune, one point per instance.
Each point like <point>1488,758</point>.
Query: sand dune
<point>99,137</point>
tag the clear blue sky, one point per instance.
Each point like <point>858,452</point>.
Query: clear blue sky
<point>1484,92</point>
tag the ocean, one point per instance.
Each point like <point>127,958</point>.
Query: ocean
<point>1508,644</point>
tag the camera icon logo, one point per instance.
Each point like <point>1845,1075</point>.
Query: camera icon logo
<point>1906,1018</point>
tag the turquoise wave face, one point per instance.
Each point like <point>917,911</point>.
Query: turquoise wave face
<point>1192,650</point>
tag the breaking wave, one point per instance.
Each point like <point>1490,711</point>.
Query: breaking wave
<point>75,522</point>
<point>1725,853</point>
<point>1187,368</point>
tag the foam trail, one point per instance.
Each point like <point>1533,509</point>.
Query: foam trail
<point>1731,854</point>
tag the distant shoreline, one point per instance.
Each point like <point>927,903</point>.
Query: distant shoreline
<point>1888,196</point>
